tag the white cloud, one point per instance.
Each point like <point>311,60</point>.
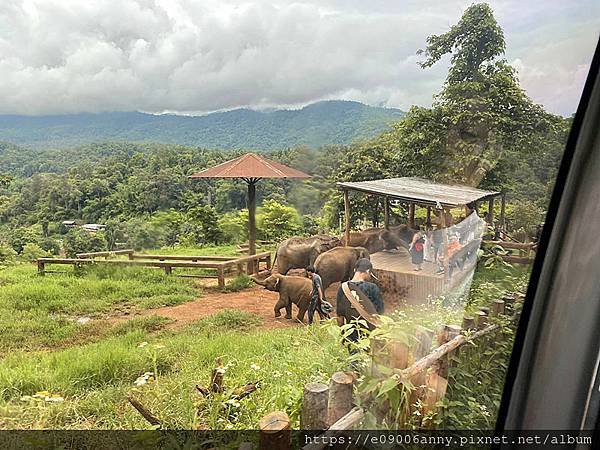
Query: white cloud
<point>59,56</point>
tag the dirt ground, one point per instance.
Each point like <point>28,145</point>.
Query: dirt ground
<point>255,300</point>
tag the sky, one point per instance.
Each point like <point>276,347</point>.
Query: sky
<point>198,56</point>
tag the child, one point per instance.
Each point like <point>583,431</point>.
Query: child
<point>416,250</point>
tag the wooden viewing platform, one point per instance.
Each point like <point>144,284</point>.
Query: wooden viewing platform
<point>220,264</point>
<point>399,281</point>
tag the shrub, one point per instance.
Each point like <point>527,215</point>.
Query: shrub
<point>234,226</point>
<point>277,221</point>
<point>239,283</point>
<point>31,252</point>
<point>202,226</point>
<point>78,240</point>
<point>7,254</point>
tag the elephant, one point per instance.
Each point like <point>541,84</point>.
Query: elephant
<point>299,252</point>
<point>378,239</point>
<point>291,289</point>
<point>338,263</point>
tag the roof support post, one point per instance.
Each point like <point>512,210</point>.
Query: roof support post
<point>428,219</point>
<point>346,218</point>
<point>503,212</point>
<point>411,215</point>
<point>252,217</point>
<point>386,212</point>
<point>490,214</point>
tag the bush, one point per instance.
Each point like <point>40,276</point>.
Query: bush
<point>78,240</point>
<point>522,218</point>
<point>7,254</point>
<point>25,235</point>
<point>202,226</point>
<point>234,226</point>
<point>142,234</point>
<point>31,252</point>
<point>239,283</point>
<point>277,221</point>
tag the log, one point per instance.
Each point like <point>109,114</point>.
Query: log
<point>453,331</point>
<point>398,355</point>
<point>442,350</point>
<point>340,396</point>
<point>378,355</point>
<point>354,416</point>
<point>146,414</point>
<point>435,391</point>
<point>274,431</point>
<point>314,407</point>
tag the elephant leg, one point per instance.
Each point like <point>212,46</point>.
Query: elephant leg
<point>280,304</point>
<point>288,310</point>
<point>301,312</point>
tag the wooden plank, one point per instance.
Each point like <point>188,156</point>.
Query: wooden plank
<point>184,257</point>
<point>105,254</point>
<point>123,262</point>
<point>510,245</point>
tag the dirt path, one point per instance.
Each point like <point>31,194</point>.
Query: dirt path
<point>256,300</point>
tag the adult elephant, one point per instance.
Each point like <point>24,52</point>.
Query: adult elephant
<point>291,289</point>
<point>338,263</point>
<point>378,239</point>
<point>299,252</point>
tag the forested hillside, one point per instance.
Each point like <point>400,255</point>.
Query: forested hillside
<point>328,122</point>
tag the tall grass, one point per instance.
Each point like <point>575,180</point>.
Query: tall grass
<point>95,379</point>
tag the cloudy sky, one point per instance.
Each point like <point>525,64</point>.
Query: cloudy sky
<point>194,56</point>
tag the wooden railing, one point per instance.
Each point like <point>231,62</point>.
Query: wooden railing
<point>526,251</point>
<point>220,264</point>
<point>333,403</point>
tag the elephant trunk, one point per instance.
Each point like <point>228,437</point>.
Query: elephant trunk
<point>257,281</point>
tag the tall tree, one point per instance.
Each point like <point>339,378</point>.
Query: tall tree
<point>483,110</point>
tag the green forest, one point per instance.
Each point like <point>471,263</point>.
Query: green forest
<point>79,344</point>
<point>325,122</point>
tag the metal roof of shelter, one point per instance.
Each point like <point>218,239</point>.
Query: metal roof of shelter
<point>250,166</point>
<point>419,190</point>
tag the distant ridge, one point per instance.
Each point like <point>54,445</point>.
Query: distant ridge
<point>321,123</point>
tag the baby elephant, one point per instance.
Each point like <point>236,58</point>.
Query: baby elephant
<point>291,290</point>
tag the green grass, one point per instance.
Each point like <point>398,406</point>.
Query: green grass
<point>37,312</point>
<point>95,379</point>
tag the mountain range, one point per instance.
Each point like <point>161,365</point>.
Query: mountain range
<point>321,123</point>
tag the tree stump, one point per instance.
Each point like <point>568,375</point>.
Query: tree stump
<point>498,308</point>
<point>314,407</point>
<point>274,431</point>
<point>468,323</point>
<point>424,338</point>
<point>340,396</point>
<point>482,320</point>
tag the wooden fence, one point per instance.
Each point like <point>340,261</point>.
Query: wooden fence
<point>331,407</point>
<point>221,265</point>
<point>526,251</point>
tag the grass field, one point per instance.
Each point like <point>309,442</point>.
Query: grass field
<point>59,371</point>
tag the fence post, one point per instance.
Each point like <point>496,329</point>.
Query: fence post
<point>422,347</point>
<point>340,396</point>
<point>314,407</point>
<point>468,323</point>
<point>498,307</point>
<point>447,333</point>
<point>41,267</point>
<point>482,319</point>
<point>221,276</point>
<point>274,431</point>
